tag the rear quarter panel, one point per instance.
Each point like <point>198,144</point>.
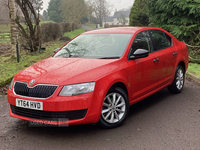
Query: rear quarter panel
<point>182,56</point>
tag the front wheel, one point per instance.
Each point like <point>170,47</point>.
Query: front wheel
<point>179,80</point>
<point>115,108</point>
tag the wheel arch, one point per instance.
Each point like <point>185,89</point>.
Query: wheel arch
<point>120,85</point>
<point>183,65</point>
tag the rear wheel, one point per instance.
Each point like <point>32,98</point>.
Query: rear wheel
<point>115,108</point>
<point>179,80</point>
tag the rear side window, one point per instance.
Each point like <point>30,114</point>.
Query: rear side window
<point>142,41</point>
<point>161,40</point>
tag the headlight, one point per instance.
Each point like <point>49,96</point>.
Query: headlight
<point>77,89</point>
<point>11,84</point>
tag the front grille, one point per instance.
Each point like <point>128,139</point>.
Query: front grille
<point>38,91</point>
<point>49,115</point>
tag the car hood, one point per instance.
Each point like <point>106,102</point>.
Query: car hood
<point>62,71</point>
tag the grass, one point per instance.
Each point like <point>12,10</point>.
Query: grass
<point>4,33</point>
<point>194,68</point>
<point>9,66</point>
<point>42,22</point>
<point>74,33</point>
<point>5,37</point>
<point>93,26</point>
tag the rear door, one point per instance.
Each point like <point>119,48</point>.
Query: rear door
<point>163,47</point>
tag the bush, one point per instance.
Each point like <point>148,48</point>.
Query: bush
<point>52,31</point>
<point>73,26</point>
<point>65,27</point>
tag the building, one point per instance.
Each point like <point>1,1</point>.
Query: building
<point>119,18</point>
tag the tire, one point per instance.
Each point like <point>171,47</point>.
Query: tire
<point>115,108</point>
<point>179,80</point>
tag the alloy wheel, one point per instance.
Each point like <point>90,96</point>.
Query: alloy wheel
<point>180,79</point>
<point>114,108</point>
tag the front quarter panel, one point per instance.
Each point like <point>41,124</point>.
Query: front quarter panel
<point>103,85</point>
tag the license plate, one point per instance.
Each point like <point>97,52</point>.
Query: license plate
<point>29,104</point>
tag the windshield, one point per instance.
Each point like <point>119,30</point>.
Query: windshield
<point>100,46</point>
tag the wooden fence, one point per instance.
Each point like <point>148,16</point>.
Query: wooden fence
<point>5,36</point>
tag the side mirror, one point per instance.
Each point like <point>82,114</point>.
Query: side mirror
<point>56,50</point>
<point>139,53</point>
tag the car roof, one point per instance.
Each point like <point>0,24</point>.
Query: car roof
<point>126,30</point>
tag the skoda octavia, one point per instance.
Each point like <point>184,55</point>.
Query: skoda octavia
<point>95,77</point>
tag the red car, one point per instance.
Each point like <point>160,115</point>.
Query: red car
<point>96,77</point>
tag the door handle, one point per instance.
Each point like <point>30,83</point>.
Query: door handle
<point>156,60</point>
<point>175,53</point>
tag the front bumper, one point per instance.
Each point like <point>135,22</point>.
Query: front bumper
<point>74,110</point>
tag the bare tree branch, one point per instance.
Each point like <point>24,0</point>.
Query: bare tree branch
<point>101,9</point>
<point>32,29</point>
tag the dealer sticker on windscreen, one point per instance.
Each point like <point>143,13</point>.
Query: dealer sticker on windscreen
<point>29,104</point>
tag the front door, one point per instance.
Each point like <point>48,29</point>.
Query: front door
<point>143,72</point>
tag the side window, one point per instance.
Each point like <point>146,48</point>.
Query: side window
<point>142,41</point>
<point>161,40</point>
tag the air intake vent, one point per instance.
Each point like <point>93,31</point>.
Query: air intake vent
<point>49,115</point>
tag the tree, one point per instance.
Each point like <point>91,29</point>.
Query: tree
<point>101,9</point>
<point>84,20</point>
<point>45,15</point>
<point>37,5</point>
<point>31,31</point>
<point>139,15</point>
<point>73,10</point>
<point>93,19</point>
<point>54,11</point>
<point>13,26</point>
<point>181,18</point>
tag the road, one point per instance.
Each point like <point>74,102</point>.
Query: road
<point>87,28</point>
<point>162,121</point>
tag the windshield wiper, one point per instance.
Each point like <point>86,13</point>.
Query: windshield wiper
<point>116,57</point>
<point>75,56</point>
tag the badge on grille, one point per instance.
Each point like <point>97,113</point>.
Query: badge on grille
<point>32,82</point>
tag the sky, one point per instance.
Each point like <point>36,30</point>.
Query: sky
<point>117,4</point>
